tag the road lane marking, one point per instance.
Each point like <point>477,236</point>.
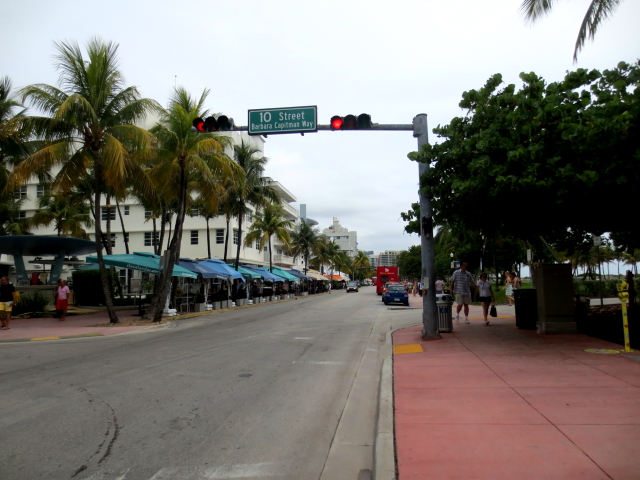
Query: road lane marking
<point>246,470</point>
<point>302,338</point>
<point>320,362</point>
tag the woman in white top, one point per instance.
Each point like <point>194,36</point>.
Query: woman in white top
<point>508,290</point>
<point>486,295</point>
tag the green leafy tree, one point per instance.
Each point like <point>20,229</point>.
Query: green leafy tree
<point>597,12</point>
<point>539,161</point>
<point>270,223</point>
<point>410,263</point>
<point>90,125</point>
<point>361,264</point>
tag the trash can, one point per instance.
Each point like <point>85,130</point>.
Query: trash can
<point>526,308</point>
<point>444,304</point>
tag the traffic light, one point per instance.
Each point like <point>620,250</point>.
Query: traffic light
<point>351,122</point>
<point>225,123</point>
<point>211,124</point>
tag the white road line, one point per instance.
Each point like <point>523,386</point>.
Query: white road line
<point>327,362</point>
<point>302,338</point>
<point>246,470</point>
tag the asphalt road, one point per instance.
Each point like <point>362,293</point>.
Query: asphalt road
<point>278,391</point>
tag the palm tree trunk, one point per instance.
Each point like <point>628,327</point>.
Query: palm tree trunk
<point>239,240</point>
<point>113,318</point>
<point>163,224</point>
<point>108,235</point>
<point>208,239</point>
<point>270,263</point>
<point>124,232</point>
<point>163,286</point>
<point>226,240</point>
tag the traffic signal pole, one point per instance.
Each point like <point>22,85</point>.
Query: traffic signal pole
<point>420,131</point>
<point>430,329</point>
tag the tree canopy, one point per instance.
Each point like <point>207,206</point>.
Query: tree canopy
<point>553,159</point>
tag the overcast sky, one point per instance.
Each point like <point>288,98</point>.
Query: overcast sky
<point>391,60</point>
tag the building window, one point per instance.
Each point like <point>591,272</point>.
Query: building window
<point>150,239</point>
<point>219,236</point>
<point>113,239</point>
<point>20,193</point>
<point>194,237</point>
<point>147,214</point>
<point>112,213</point>
<point>126,237</point>
<point>266,249</point>
<point>257,244</point>
<point>40,191</point>
<point>235,236</point>
<point>126,209</point>
<point>195,212</point>
<point>22,214</point>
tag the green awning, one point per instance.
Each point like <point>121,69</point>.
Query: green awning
<point>284,274</point>
<point>143,261</point>
<point>246,273</point>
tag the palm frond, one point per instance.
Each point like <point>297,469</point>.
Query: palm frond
<point>534,9</point>
<point>598,11</point>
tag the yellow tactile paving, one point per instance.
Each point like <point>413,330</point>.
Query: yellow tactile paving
<point>410,348</point>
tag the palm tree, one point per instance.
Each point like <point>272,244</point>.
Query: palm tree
<point>325,252</point>
<point>251,188</point>
<point>10,221</point>
<point>304,242</point>
<point>68,213</point>
<point>187,162</point>
<point>343,263</point>
<point>90,127</point>
<point>361,262</point>
<point>269,223</point>
<point>597,12</point>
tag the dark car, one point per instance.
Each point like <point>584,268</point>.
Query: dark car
<point>395,293</point>
<point>352,287</point>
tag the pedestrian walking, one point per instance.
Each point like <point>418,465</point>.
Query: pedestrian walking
<point>61,299</point>
<point>485,296</point>
<point>7,299</point>
<point>415,289</point>
<point>461,280</point>
<point>439,285</point>
<point>508,289</point>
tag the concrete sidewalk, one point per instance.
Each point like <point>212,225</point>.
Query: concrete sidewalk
<point>496,402</point>
<point>34,329</point>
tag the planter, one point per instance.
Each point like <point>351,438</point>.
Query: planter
<point>270,298</point>
<point>201,307</point>
<point>241,302</point>
<point>216,304</point>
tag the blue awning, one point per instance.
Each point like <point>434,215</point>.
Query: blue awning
<point>202,268</point>
<point>298,274</point>
<point>222,267</point>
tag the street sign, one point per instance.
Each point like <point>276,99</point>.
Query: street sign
<point>269,121</point>
<point>597,240</point>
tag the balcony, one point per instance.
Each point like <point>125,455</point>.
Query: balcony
<point>292,213</point>
<point>283,260</point>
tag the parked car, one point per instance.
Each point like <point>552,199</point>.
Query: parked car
<point>352,287</point>
<point>395,293</point>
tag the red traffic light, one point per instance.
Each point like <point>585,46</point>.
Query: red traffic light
<point>198,124</point>
<point>351,122</point>
<point>336,122</point>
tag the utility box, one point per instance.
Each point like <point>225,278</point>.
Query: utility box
<point>554,286</point>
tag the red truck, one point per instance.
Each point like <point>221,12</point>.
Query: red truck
<point>384,275</point>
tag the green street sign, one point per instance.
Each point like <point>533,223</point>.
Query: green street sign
<point>269,121</point>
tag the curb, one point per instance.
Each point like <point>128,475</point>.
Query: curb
<point>62,337</point>
<point>384,448</point>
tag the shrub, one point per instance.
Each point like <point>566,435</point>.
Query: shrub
<point>36,303</point>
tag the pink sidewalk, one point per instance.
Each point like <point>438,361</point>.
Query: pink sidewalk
<point>496,402</point>
<point>76,325</point>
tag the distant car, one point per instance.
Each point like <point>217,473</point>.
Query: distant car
<point>395,293</point>
<point>352,287</point>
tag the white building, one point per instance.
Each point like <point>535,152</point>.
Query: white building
<point>346,240</point>
<point>139,231</point>
<point>388,258</point>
